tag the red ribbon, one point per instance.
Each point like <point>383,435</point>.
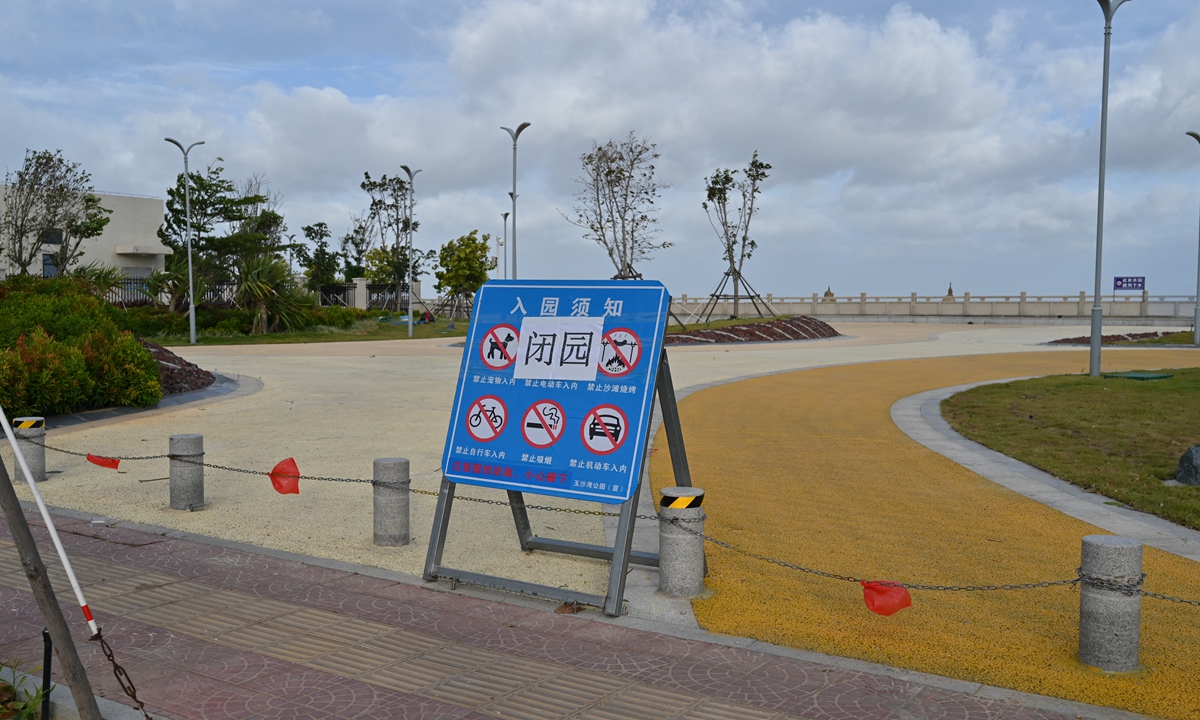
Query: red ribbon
<point>285,476</point>
<point>884,597</point>
<point>105,462</point>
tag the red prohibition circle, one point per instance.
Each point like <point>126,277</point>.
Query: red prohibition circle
<point>613,346</point>
<point>597,424</point>
<point>484,417</point>
<point>525,426</point>
<point>496,344</point>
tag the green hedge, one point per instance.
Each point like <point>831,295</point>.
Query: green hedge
<point>61,352</point>
<point>151,322</point>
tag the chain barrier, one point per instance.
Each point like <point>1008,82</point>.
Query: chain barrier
<point>122,677</point>
<point>1127,586</point>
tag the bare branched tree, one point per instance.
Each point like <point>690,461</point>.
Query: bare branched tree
<point>616,203</point>
<point>730,206</point>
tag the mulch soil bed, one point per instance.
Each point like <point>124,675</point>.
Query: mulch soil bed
<point>176,374</point>
<point>1086,339</point>
<point>796,328</point>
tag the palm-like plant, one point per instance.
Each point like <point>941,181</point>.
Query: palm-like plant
<point>265,286</point>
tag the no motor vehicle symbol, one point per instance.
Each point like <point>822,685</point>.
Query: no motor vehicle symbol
<point>620,350</point>
<point>543,423</point>
<point>486,418</point>
<point>604,429</point>
<point>499,347</point>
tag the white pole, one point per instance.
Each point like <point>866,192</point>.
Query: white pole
<point>37,496</point>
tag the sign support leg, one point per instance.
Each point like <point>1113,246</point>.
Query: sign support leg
<point>622,544</point>
<point>441,522</point>
<point>671,424</point>
<point>521,518</point>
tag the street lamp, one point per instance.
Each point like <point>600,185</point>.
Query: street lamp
<point>187,205</point>
<point>1196,317</point>
<point>408,213</point>
<point>503,241</point>
<point>515,134</point>
<point>1110,8</point>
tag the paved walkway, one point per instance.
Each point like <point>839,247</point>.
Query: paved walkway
<point>211,632</point>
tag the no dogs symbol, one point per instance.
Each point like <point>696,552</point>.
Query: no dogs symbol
<point>620,350</point>
<point>604,429</point>
<point>499,347</point>
<point>486,418</point>
<point>543,423</point>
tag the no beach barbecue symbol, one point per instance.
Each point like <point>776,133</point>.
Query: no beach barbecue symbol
<point>620,350</point>
<point>499,347</point>
<point>486,417</point>
<point>604,429</point>
<point>543,423</point>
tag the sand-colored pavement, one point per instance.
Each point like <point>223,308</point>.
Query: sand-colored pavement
<point>337,406</point>
<point>809,468</point>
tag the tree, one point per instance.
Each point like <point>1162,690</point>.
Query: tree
<point>355,245</point>
<point>266,288</point>
<point>463,265</point>
<point>320,264</point>
<point>385,264</point>
<point>732,223</point>
<point>49,201</point>
<point>390,215</point>
<point>616,204</point>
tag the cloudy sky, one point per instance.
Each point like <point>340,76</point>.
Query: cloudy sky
<point>913,144</point>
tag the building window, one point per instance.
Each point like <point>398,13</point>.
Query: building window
<point>53,236</point>
<point>49,265</point>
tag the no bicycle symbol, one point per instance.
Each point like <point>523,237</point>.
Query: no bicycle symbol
<point>543,424</point>
<point>499,347</point>
<point>620,350</point>
<point>604,429</point>
<point>486,417</point>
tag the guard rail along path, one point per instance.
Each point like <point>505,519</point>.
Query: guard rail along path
<point>1131,309</point>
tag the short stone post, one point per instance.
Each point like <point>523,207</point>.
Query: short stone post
<point>680,552</point>
<point>31,436</point>
<point>391,481</point>
<point>187,478</point>
<point>1110,603</point>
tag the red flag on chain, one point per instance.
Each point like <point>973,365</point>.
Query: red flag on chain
<point>105,462</point>
<point>884,597</point>
<point>285,476</point>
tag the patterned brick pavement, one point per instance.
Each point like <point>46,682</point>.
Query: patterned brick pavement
<point>209,632</point>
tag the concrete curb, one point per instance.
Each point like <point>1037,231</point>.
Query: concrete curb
<point>223,385</point>
<point>919,416</point>
<point>62,705</point>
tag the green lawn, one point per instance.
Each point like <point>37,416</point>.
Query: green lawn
<point>1179,338</point>
<point>361,330</point>
<point>1121,438</point>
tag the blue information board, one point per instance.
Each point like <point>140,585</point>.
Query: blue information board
<point>1129,283</point>
<point>555,392</point>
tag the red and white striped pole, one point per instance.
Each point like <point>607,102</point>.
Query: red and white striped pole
<point>37,496</point>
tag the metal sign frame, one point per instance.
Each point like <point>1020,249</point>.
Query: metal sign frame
<point>620,555</point>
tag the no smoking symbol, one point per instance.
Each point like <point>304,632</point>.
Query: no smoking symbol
<point>604,429</point>
<point>620,350</point>
<point>543,423</point>
<point>499,347</point>
<point>486,418</point>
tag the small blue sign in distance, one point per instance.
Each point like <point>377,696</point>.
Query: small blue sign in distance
<point>1129,283</point>
<point>556,387</point>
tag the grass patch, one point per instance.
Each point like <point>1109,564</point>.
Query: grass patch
<point>360,330</point>
<point>673,327</point>
<point>1121,438</point>
<point>1179,338</point>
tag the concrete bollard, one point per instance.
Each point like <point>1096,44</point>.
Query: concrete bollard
<point>391,501</point>
<point>187,478</point>
<point>1110,604</point>
<point>27,429</point>
<point>681,553</point>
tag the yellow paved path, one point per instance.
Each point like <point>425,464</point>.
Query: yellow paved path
<point>808,467</point>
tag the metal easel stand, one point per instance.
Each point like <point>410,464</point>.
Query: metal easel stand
<point>620,555</point>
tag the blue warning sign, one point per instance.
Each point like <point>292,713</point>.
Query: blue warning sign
<point>556,388</point>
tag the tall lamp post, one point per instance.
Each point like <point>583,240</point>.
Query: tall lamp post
<point>1196,317</point>
<point>408,228</point>
<point>1110,8</point>
<point>504,242</point>
<point>187,205</point>
<point>515,134</point>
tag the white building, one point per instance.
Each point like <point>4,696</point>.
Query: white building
<point>129,241</point>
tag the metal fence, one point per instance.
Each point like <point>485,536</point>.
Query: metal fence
<point>387,297</point>
<point>339,295</point>
<point>130,291</point>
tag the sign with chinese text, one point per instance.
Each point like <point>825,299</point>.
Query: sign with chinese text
<point>556,388</point>
<point>1129,283</point>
